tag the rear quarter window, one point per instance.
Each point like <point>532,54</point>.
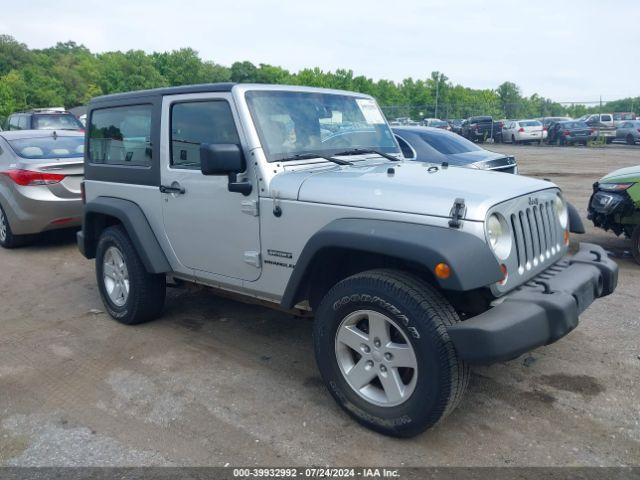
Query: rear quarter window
<point>121,136</point>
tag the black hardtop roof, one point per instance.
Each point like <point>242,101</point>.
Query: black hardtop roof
<point>159,92</point>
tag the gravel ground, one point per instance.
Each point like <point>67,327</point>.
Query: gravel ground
<point>218,382</point>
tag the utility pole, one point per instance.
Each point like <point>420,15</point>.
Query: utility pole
<point>437,92</point>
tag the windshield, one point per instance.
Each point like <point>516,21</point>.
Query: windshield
<point>298,123</point>
<point>56,122</point>
<point>48,147</point>
<point>449,144</point>
<point>438,123</point>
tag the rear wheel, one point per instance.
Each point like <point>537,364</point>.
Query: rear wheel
<point>382,348</point>
<point>631,140</point>
<point>7,237</point>
<point>130,294</point>
<point>635,243</point>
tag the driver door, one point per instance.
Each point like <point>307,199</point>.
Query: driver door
<point>210,229</point>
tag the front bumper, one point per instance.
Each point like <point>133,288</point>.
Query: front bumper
<point>539,312</point>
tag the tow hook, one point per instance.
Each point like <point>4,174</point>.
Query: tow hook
<point>458,211</point>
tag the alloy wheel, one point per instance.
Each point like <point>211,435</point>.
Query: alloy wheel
<point>115,276</point>
<point>376,358</point>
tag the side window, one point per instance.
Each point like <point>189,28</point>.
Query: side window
<point>121,136</point>
<point>12,124</point>
<point>194,123</point>
<point>606,118</point>
<point>405,148</point>
<point>23,122</point>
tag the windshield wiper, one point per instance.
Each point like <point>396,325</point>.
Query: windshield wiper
<point>358,151</point>
<point>310,155</point>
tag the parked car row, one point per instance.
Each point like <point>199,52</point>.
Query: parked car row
<point>566,131</point>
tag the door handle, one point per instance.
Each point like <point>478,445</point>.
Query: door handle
<point>175,189</point>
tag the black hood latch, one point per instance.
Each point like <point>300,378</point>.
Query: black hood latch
<point>458,212</point>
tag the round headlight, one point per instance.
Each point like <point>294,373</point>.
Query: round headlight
<point>561,211</point>
<point>499,236</point>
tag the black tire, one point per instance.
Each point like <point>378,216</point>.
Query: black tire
<point>146,296</point>
<point>630,140</point>
<point>635,243</point>
<point>7,238</point>
<point>422,314</point>
<point>608,140</point>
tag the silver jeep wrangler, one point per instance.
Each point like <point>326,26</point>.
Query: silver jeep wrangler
<point>301,197</point>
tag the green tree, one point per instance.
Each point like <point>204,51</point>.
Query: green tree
<point>243,72</point>
<point>13,54</point>
<point>510,99</point>
<point>13,93</point>
<point>132,70</point>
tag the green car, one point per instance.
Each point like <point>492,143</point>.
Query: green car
<point>615,205</point>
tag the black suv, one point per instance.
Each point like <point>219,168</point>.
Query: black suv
<point>43,119</point>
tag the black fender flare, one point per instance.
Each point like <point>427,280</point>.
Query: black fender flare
<point>472,263</point>
<point>575,222</point>
<point>135,223</point>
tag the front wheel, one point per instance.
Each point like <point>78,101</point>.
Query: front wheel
<point>383,351</point>
<point>630,140</point>
<point>130,294</point>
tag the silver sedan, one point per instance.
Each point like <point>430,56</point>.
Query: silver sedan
<point>40,182</point>
<point>629,131</point>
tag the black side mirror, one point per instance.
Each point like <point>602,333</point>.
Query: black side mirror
<point>221,159</point>
<point>225,159</point>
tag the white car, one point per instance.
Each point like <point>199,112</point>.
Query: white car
<point>523,131</point>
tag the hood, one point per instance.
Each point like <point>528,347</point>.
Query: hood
<point>474,156</point>
<point>413,188</point>
<point>628,174</point>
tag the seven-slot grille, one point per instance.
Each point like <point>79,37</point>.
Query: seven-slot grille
<point>537,234</point>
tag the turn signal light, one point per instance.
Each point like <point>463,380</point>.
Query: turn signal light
<point>442,271</point>
<point>505,274</point>
<point>566,237</point>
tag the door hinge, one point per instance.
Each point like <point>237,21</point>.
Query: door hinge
<point>250,207</point>
<point>252,258</point>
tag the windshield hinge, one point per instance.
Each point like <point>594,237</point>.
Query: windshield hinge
<point>458,212</point>
<point>250,207</point>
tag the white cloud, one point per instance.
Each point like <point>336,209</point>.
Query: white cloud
<point>574,50</point>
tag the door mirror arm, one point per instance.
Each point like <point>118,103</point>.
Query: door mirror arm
<point>235,186</point>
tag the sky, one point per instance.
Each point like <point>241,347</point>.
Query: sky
<point>569,51</point>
